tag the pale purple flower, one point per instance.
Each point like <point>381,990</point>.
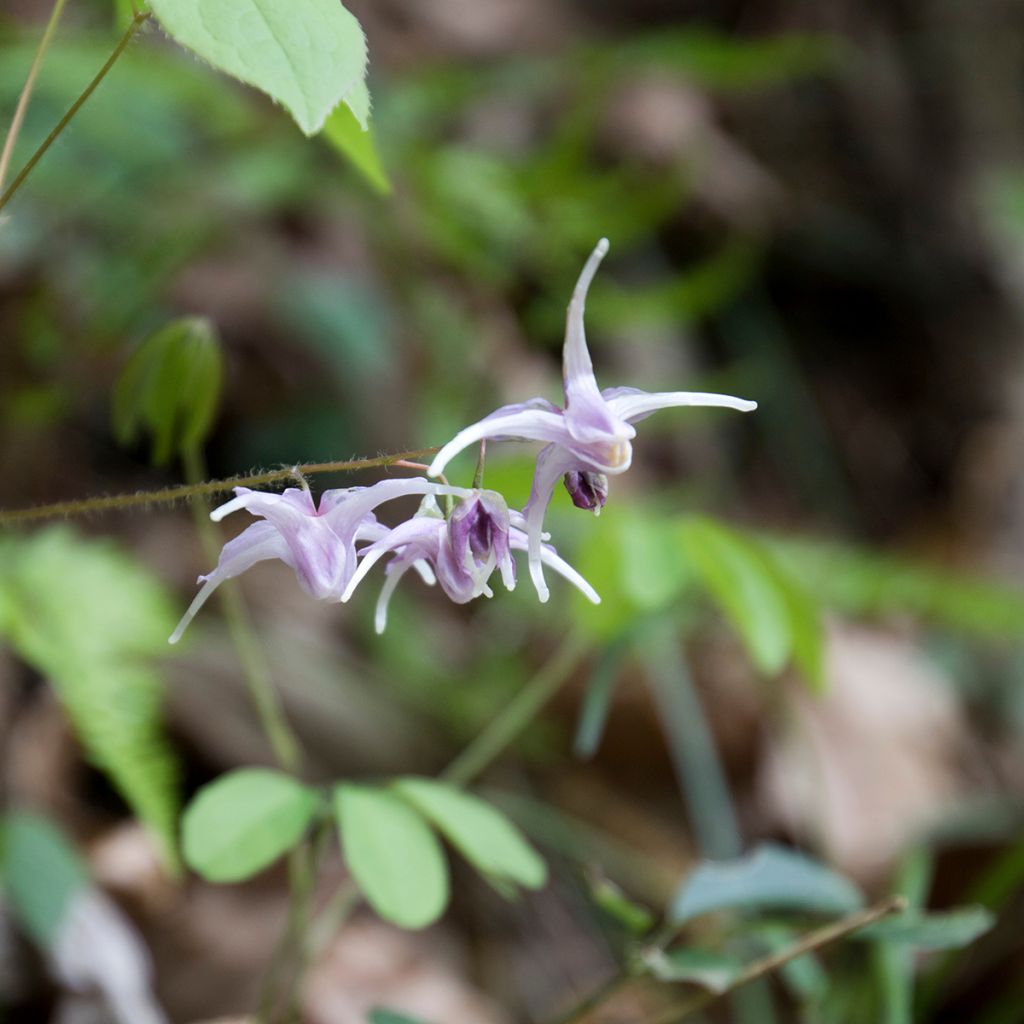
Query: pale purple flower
<point>318,543</point>
<point>593,433</point>
<point>462,551</point>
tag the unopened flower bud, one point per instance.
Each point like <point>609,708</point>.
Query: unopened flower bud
<point>587,490</point>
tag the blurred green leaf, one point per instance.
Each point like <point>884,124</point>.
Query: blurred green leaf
<point>170,387</point>
<point>598,698</point>
<point>355,142</point>
<point>721,61</point>
<point>308,55</point>
<point>712,971</point>
<point>482,834</point>
<point>733,569</point>
<point>633,559</point>
<point>951,929</point>
<point>41,873</point>
<point>616,904</point>
<point>243,821</point>
<point>393,855</point>
<point>860,582</point>
<point>770,877</point>
<point>382,1016</point>
<point>91,620</point>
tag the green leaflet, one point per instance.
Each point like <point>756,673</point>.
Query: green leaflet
<point>91,620</point>
<point>482,834</point>
<point>243,821</point>
<point>308,55</point>
<point>393,855</point>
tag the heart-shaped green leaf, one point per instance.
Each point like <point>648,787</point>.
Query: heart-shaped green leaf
<point>244,821</point>
<point>308,55</point>
<point>393,855</point>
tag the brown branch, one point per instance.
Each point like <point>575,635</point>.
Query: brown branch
<point>169,495</point>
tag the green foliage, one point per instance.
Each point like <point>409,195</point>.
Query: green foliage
<point>728,62</point>
<point>92,621</point>
<point>170,388</point>
<point>598,699</point>
<point>244,821</point>
<point>710,970</point>
<point>769,877</point>
<point>382,1016</point>
<point>41,873</point>
<point>766,606</point>
<point>308,55</point>
<point>860,582</point>
<point>642,562</point>
<point>393,855</point>
<point>345,133</point>
<point>633,916</point>
<point>951,929</point>
<point>482,834</point>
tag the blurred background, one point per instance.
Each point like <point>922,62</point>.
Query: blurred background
<point>819,206</point>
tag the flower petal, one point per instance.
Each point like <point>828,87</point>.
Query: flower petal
<point>256,543</point>
<point>519,542</point>
<point>632,404</point>
<point>418,533</point>
<point>528,423</point>
<point>553,463</point>
<point>396,570</point>
<point>577,369</point>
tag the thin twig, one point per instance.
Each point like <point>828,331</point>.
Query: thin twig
<point>26,91</point>
<point>137,22</point>
<point>810,943</point>
<point>169,495</point>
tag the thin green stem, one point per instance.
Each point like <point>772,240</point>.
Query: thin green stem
<point>26,91</point>
<point>169,495</point>
<point>278,1002</point>
<point>517,714</point>
<point>254,665</point>
<point>137,22</point>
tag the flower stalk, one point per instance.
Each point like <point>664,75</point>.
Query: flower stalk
<point>136,23</point>
<point>26,92</point>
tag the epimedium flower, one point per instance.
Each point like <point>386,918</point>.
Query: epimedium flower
<point>317,541</point>
<point>587,440</point>
<point>462,551</point>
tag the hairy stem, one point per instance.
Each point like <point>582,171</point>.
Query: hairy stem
<point>26,91</point>
<point>169,495</point>
<point>137,22</point>
<point>517,714</point>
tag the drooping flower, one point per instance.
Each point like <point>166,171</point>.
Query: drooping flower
<point>317,542</point>
<point>591,435</point>
<point>462,551</point>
